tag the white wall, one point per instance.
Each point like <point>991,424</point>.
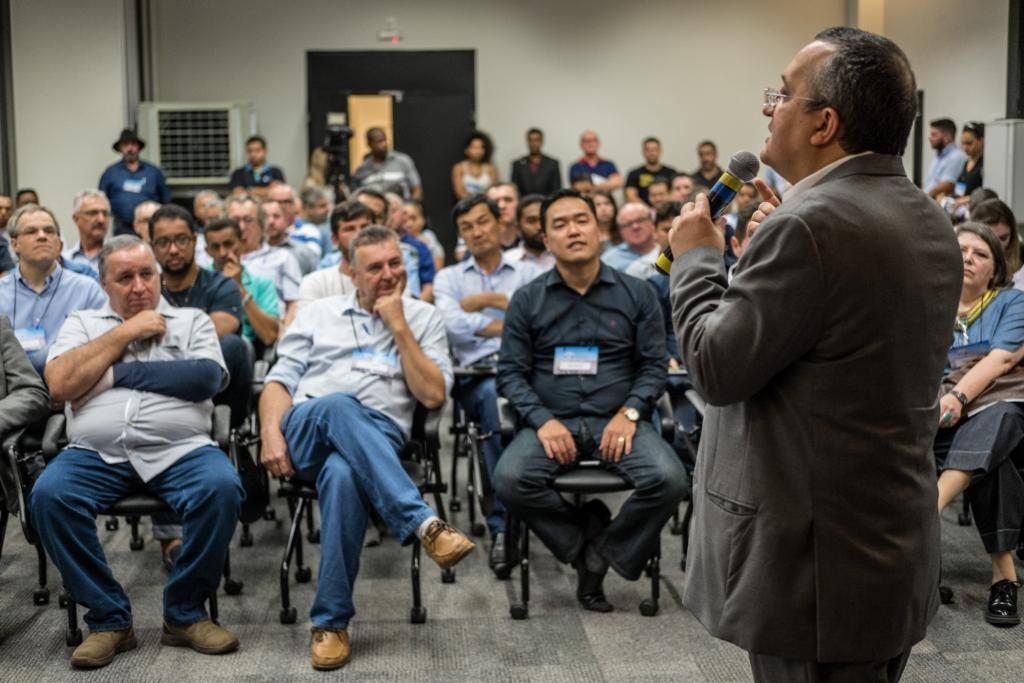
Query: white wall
<point>679,69</point>
<point>68,96</point>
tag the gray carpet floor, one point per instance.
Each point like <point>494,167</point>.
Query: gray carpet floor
<point>468,635</point>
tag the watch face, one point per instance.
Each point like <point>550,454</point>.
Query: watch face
<point>632,414</point>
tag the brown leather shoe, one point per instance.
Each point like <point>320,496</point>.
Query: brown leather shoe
<point>331,648</point>
<point>203,636</point>
<point>101,646</point>
<point>445,544</point>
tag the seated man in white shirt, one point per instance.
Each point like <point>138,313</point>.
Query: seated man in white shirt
<point>636,225</point>
<point>138,376</point>
<point>337,408</point>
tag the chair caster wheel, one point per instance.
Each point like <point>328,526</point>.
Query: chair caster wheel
<point>112,524</point>
<point>313,536</point>
<point>648,608</point>
<point>63,599</point>
<point>478,529</point>
<point>519,612</point>
<point>945,595</point>
<point>246,540</point>
<point>288,615</point>
<point>41,596</point>
<point>232,587</point>
<point>418,615</point>
<point>964,519</point>
<point>270,514</point>
<point>448,575</point>
<point>303,574</point>
<point>137,544</point>
<point>455,505</point>
<point>73,638</point>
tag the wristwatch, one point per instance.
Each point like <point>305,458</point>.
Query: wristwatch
<point>632,414</point>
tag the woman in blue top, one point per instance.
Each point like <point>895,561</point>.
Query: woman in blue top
<point>981,421</point>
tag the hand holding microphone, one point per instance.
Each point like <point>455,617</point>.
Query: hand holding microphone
<point>743,166</point>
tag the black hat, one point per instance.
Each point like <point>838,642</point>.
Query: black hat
<point>128,135</point>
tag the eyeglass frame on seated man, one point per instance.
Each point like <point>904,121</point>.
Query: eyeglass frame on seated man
<point>773,98</point>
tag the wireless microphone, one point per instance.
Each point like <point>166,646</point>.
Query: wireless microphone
<point>743,167</point>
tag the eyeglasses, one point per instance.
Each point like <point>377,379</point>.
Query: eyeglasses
<point>635,222</point>
<point>773,98</point>
<point>181,241</point>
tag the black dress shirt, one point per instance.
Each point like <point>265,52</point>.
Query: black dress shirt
<point>619,314</point>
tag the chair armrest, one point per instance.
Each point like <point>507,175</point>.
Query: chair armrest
<point>507,419</point>
<point>221,427</point>
<point>665,418</point>
<point>54,436</point>
<point>695,399</point>
<point>259,370</point>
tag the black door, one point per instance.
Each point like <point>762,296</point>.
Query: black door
<point>434,110</point>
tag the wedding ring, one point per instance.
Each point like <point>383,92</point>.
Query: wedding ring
<point>622,439</point>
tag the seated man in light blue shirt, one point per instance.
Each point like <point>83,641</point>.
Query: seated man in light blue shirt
<point>949,159</point>
<point>636,225</point>
<point>337,408</point>
<point>472,297</point>
<point>137,377</point>
<point>39,294</point>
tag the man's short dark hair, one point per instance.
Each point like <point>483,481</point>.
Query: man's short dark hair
<point>743,217</point>
<point>667,210</point>
<point>466,204</point>
<point>581,177</point>
<point>946,125</point>
<point>256,138</point>
<point>349,211</point>
<point>24,191</point>
<point>171,212</point>
<point>527,200</point>
<point>678,175</point>
<point>707,143</point>
<point>868,81</point>
<point>532,131</point>
<point>369,192</point>
<point>563,194</point>
<point>218,224</point>
<point>658,180</point>
<point>651,138</point>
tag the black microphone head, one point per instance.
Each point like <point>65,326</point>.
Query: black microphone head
<point>744,166</point>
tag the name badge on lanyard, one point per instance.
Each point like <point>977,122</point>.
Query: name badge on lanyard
<point>133,185</point>
<point>375,362</point>
<point>576,360</point>
<point>31,338</point>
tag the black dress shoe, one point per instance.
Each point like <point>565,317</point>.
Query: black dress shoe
<point>589,590</point>
<point>499,560</point>
<point>1002,604</point>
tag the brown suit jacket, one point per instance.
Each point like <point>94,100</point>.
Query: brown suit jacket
<point>816,534</point>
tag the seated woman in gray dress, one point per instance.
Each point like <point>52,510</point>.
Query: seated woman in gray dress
<point>981,417</point>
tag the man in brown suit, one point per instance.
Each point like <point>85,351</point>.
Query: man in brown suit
<point>816,538</point>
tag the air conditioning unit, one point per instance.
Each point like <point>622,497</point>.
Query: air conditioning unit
<point>196,143</point>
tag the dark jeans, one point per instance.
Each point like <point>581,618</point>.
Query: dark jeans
<point>202,488</point>
<point>985,445</point>
<point>523,481</point>
<point>775,669</point>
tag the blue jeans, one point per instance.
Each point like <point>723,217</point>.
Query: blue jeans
<point>351,452</point>
<point>202,488</point>
<point>523,480</point>
<point>478,397</point>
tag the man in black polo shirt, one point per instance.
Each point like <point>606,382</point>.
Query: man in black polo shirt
<point>184,283</point>
<point>640,179</point>
<point>583,362</point>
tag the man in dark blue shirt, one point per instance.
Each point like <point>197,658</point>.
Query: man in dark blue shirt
<point>255,177</point>
<point>131,181</point>
<point>583,362</point>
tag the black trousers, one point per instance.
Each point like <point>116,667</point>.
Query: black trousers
<point>775,669</point>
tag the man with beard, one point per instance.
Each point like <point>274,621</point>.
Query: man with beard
<point>131,181</point>
<point>472,297</point>
<point>532,248</point>
<point>949,159</point>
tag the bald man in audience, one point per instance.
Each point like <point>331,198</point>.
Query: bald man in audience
<point>636,225</point>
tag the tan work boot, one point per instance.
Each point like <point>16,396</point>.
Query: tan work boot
<point>445,544</point>
<point>203,636</point>
<point>331,648</point>
<point>100,647</point>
